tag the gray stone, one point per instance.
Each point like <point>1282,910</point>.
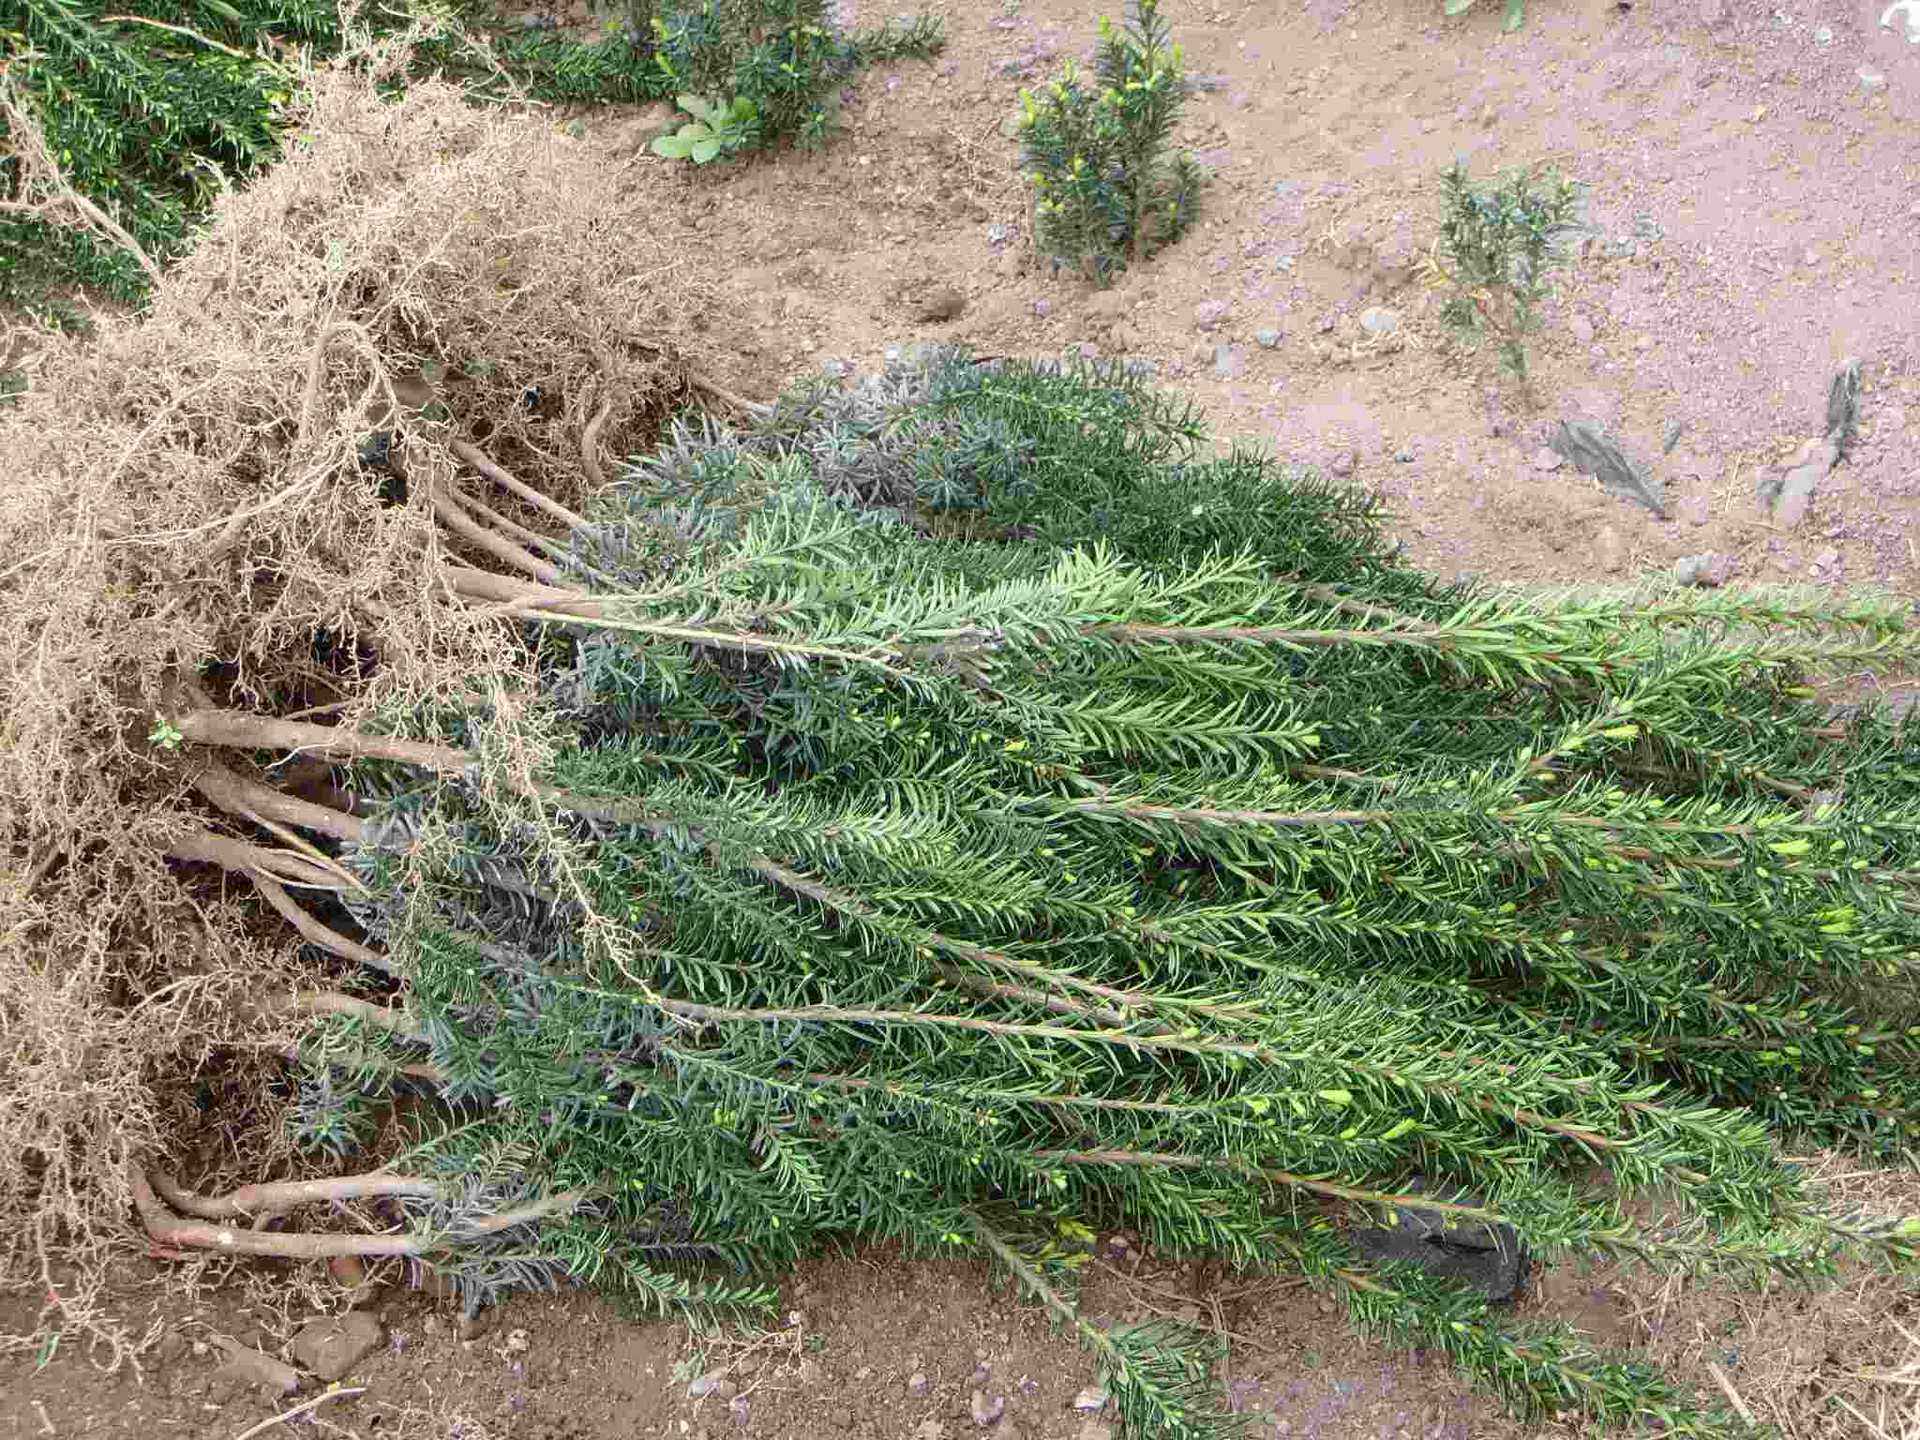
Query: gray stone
<point>1227,361</point>
<point>1871,81</point>
<point>1586,445</point>
<point>1403,457</point>
<point>1490,1258</point>
<point>709,1387</point>
<point>332,1346</point>
<point>1790,490</point>
<point>1843,406</point>
<point>1709,571</point>
<point>1267,339</point>
<point>1378,320</point>
<point>1823,37</point>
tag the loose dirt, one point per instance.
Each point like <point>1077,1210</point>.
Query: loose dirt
<point>1755,193</point>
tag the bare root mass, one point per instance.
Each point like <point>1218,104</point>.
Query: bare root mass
<point>410,345</point>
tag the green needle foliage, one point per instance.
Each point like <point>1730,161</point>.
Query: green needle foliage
<point>150,106</point>
<point>1497,255</point>
<point>959,810</point>
<point>1108,185</point>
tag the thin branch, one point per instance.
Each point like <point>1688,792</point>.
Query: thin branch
<point>298,1410</point>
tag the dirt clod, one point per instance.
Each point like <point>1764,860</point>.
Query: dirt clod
<point>248,1366</point>
<point>330,1347</point>
<point>939,304</point>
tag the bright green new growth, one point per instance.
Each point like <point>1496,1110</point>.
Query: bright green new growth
<point>1513,19</point>
<point>1108,186</point>
<point>971,817</point>
<point>716,129</point>
<point>1498,256</point>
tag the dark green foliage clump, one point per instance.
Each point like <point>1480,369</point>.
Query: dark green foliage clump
<point>150,106</point>
<point>1109,187</point>
<point>1498,256</point>
<point>970,815</point>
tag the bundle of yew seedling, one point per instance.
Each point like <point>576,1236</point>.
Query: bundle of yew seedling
<point>952,809</point>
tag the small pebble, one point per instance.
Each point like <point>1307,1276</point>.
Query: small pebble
<point>1227,361</point>
<point>987,1409</point>
<point>1343,463</point>
<point>1547,459</point>
<point>1823,36</point>
<point>918,1384</point>
<point>1582,329</point>
<point>1267,339</point>
<point>1707,571</point>
<point>1208,314</point>
<point>1091,1398</point>
<point>1871,81</point>
<point>1378,320</point>
<point>1043,308</point>
<point>1404,457</point>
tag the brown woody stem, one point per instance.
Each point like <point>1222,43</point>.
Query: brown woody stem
<point>505,479</point>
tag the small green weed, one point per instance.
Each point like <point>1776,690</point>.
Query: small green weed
<point>1515,17</point>
<point>1496,255</point>
<point>1108,186</point>
<point>717,129</point>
